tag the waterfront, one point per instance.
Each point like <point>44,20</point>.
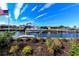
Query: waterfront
<point>37,46</point>
<point>43,44</point>
<point>35,29</point>
<point>51,35</point>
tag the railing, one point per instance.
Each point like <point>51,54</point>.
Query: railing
<point>2,29</point>
<point>36,30</point>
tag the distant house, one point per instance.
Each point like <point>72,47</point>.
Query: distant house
<point>6,27</point>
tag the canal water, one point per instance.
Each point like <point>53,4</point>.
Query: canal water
<point>54,35</point>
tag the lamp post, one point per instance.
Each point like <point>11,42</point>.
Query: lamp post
<point>16,25</point>
<point>28,25</point>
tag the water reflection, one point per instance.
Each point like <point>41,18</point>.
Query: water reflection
<point>59,35</point>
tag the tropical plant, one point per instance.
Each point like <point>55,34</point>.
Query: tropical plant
<point>26,50</point>
<point>57,43</point>
<point>18,39</point>
<point>13,49</point>
<point>74,48</point>
<point>49,42</point>
<point>5,38</point>
<point>39,49</point>
<point>51,51</point>
<point>53,45</point>
<point>50,45</point>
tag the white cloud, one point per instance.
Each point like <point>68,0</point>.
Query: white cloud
<point>68,7</point>
<point>30,22</point>
<point>3,6</point>
<point>8,17</point>
<point>40,15</point>
<point>34,8</point>
<point>2,23</point>
<point>24,18</point>
<point>46,6</point>
<point>65,8</point>
<point>23,9</point>
<point>17,10</point>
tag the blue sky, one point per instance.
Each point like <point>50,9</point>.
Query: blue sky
<point>42,14</point>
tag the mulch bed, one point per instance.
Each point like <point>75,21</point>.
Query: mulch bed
<point>35,46</point>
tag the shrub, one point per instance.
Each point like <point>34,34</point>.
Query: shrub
<point>53,45</point>
<point>50,45</point>
<point>13,49</point>
<point>40,48</point>
<point>27,50</point>
<point>57,43</point>
<point>5,37</point>
<point>49,42</point>
<point>74,51</point>
<point>51,51</point>
<point>74,48</point>
<point>18,39</point>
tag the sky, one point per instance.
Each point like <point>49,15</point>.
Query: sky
<point>41,14</point>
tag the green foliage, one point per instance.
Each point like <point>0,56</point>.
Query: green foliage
<point>13,49</point>
<point>27,50</point>
<point>39,48</point>
<point>53,45</point>
<point>5,37</point>
<point>18,39</point>
<point>50,45</point>
<point>74,51</point>
<point>49,42</point>
<point>32,38</point>
<point>51,50</point>
<point>74,48</point>
<point>57,43</point>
